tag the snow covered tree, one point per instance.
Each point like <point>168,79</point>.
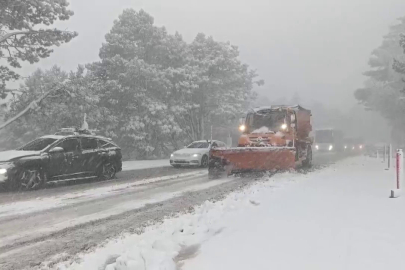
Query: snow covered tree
<point>159,90</point>
<point>398,64</point>
<point>382,90</point>
<point>132,69</point>
<point>71,95</point>
<point>222,87</point>
<point>25,34</point>
<point>296,99</point>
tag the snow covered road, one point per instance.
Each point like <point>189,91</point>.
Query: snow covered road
<point>64,221</point>
<point>338,218</point>
<point>144,164</point>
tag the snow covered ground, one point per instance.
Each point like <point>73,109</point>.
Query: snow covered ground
<point>337,218</point>
<point>144,164</point>
<point>47,203</point>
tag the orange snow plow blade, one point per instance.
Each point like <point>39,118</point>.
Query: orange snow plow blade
<point>245,159</point>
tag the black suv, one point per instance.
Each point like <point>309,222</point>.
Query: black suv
<point>67,155</point>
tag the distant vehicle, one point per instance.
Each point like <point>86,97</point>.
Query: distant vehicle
<point>354,144</point>
<point>195,154</point>
<point>328,140</point>
<point>72,154</point>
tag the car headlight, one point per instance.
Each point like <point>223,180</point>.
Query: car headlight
<point>284,126</point>
<point>345,146</point>
<point>4,167</point>
<point>330,147</point>
<point>171,155</point>
<point>196,155</point>
<point>242,128</point>
<point>316,147</point>
<point>361,146</point>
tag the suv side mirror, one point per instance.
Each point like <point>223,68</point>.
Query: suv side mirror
<point>56,149</point>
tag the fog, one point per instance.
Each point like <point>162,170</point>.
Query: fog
<point>315,49</point>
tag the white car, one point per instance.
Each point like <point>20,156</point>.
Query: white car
<point>195,154</point>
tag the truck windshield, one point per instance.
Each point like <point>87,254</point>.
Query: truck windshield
<point>324,136</point>
<point>267,122</point>
<point>37,145</point>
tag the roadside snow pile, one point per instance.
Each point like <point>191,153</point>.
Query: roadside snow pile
<point>340,218</point>
<point>162,246</point>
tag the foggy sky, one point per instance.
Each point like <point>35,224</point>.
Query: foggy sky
<point>317,48</point>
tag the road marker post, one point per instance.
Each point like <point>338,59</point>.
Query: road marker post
<point>385,152</point>
<point>395,193</point>
<point>389,156</point>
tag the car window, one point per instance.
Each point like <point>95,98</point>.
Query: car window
<point>89,143</point>
<point>37,144</point>
<point>105,144</point>
<point>69,145</point>
<point>199,145</point>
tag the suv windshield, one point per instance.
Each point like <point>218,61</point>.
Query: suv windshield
<point>38,144</point>
<point>199,145</point>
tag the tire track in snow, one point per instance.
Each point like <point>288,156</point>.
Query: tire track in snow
<point>45,225</point>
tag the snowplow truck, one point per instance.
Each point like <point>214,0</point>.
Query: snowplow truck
<point>273,138</point>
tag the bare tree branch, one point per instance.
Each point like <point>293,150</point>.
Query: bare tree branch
<point>32,106</point>
<point>8,35</point>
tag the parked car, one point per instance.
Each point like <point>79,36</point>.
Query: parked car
<point>195,154</point>
<point>66,156</point>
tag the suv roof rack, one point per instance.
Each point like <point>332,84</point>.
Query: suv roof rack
<point>75,131</point>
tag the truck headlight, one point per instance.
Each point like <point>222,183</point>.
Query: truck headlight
<point>284,126</point>
<point>316,147</point>
<point>3,171</point>
<point>242,128</point>
<point>330,147</point>
<point>171,155</point>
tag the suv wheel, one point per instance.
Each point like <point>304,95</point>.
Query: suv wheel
<point>30,179</point>
<point>107,171</point>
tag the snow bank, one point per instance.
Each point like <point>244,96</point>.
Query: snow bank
<point>161,246</point>
<point>339,218</point>
<point>336,218</point>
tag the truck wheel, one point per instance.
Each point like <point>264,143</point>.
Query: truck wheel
<point>307,162</point>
